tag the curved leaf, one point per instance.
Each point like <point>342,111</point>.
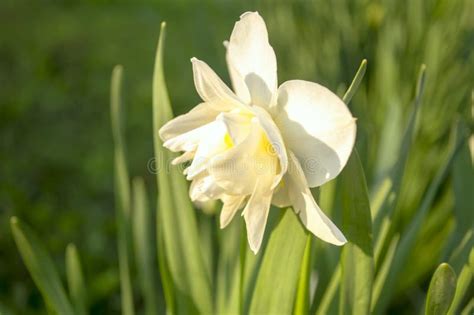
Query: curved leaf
<point>277,279</point>
<point>357,256</point>
<point>75,280</point>
<point>41,268</point>
<point>441,290</point>
<point>176,219</point>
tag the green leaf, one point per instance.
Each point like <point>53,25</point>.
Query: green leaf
<point>384,270</point>
<point>355,82</point>
<point>326,201</point>
<point>459,244</point>
<point>302,293</point>
<point>441,290</point>
<point>408,239</point>
<point>75,280</point>
<point>176,218</point>
<point>387,198</point>
<point>144,246</point>
<point>357,257</point>
<point>122,191</point>
<point>228,269</point>
<point>41,268</point>
<point>462,286</point>
<point>330,292</point>
<point>278,275</point>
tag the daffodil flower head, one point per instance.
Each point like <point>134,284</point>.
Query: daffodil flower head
<point>261,143</point>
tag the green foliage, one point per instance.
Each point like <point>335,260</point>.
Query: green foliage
<point>277,278</point>
<point>191,283</point>
<point>41,268</point>
<point>75,280</point>
<point>122,191</point>
<point>441,290</point>
<point>357,261</point>
<point>57,153</point>
<point>143,245</point>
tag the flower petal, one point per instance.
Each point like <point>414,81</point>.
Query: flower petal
<point>238,169</point>
<point>317,126</point>
<point>231,205</point>
<point>276,141</point>
<point>251,61</point>
<point>211,88</point>
<point>211,142</point>
<point>256,214</point>
<point>281,197</point>
<point>200,115</point>
<point>304,204</point>
<point>233,170</point>
<point>203,188</point>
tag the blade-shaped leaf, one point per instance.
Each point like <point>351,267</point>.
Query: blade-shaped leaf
<point>176,217</point>
<point>122,192</point>
<point>355,82</point>
<point>441,290</point>
<point>41,268</point>
<point>278,275</point>
<point>228,269</point>
<point>330,292</point>
<point>383,212</point>
<point>75,280</point>
<point>357,257</point>
<point>327,199</point>
<point>463,181</point>
<point>462,286</point>
<point>302,293</point>
<point>144,246</point>
<point>408,238</point>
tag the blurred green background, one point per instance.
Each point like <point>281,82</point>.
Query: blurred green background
<point>56,163</point>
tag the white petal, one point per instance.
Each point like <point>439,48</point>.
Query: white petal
<point>189,141</point>
<point>211,143</point>
<point>281,197</point>
<point>304,204</point>
<point>186,156</point>
<point>211,88</point>
<point>276,141</point>
<point>256,214</point>
<point>203,188</point>
<point>237,169</point>
<point>251,61</point>
<point>238,124</point>
<point>200,115</point>
<point>317,126</point>
<point>234,170</point>
<point>231,205</point>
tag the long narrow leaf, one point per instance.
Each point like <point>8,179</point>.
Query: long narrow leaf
<point>327,199</point>
<point>462,286</point>
<point>460,244</point>
<point>41,268</point>
<point>278,275</point>
<point>302,293</point>
<point>75,280</point>
<point>357,256</point>
<point>441,290</point>
<point>122,192</point>
<point>408,238</point>
<point>330,292</point>
<point>144,246</point>
<point>383,214</point>
<point>176,217</point>
<point>228,270</point>
<point>355,82</point>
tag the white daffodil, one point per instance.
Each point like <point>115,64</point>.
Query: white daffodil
<point>261,144</point>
